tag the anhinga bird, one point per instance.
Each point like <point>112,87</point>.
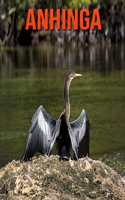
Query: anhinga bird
<point>45,130</point>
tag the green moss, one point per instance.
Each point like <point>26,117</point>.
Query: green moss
<point>117,162</point>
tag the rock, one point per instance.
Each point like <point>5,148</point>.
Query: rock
<point>48,178</point>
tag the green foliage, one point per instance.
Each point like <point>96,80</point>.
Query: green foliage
<point>34,2</point>
<point>80,3</point>
<point>64,3</point>
<point>8,5</point>
<point>21,4</point>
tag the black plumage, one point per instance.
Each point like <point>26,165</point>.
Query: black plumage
<point>45,130</point>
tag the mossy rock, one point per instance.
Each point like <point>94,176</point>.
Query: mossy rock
<point>49,178</point>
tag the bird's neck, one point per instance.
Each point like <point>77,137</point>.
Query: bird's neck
<point>66,100</point>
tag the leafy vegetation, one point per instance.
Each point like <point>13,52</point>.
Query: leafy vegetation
<point>13,22</point>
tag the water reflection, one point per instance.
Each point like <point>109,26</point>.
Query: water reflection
<point>30,77</point>
<point>103,59</point>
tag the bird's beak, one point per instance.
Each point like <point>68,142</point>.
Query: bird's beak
<point>77,75</point>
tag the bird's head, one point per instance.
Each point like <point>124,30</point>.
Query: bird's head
<point>71,74</point>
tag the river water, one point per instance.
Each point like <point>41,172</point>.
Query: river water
<point>34,76</point>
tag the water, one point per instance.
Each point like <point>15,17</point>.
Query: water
<point>34,76</point>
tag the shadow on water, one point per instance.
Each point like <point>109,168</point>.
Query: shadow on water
<point>34,76</point>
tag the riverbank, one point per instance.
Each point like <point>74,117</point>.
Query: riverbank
<point>13,23</point>
<point>48,178</point>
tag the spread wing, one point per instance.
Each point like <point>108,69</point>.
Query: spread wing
<point>41,134</point>
<point>79,134</point>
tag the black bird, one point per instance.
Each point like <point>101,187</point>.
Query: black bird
<point>45,130</point>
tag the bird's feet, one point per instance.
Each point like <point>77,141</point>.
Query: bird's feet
<point>64,154</point>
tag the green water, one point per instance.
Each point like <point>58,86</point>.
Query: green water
<point>30,77</point>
